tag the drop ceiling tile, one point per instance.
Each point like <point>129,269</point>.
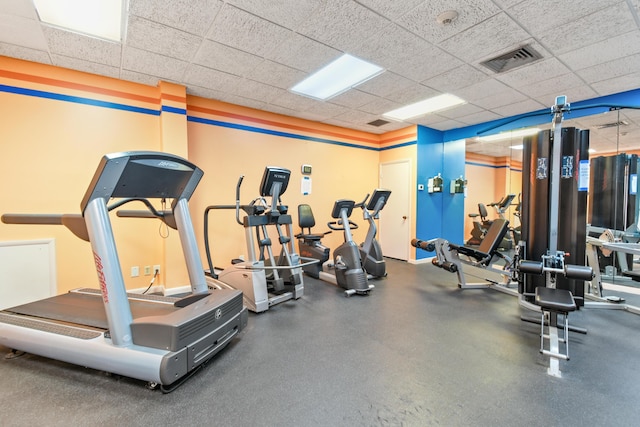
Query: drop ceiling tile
<point>385,84</point>
<point>479,117</point>
<point>86,66</point>
<point>241,30</point>
<point>162,39</point>
<point>380,106</point>
<point>481,90</point>
<point>426,120</point>
<point>460,111</point>
<point>488,38</point>
<point>390,9</point>
<point>77,45</point>
<point>20,31</point>
<point>578,93</point>
<point>499,99</point>
<point>25,53</point>
<point>414,93</point>
<point>457,78</point>
<point>193,16</point>
<point>343,25</point>
<point>531,73</point>
<point>543,15</point>
<point>326,109</point>
<point>617,84</point>
<point>422,20</point>
<point>212,79</point>
<point>521,107</point>
<point>390,45</point>
<point>357,117</point>
<point>611,69</point>
<point>296,102</point>
<point>287,13</point>
<point>252,89</point>
<point>552,86</point>
<point>426,64</point>
<point>602,52</point>
<point>303,53</point>
<point>224,58</point>
<point>275,74</point>
<point>354,98</point>
<point>591,29</point>
<point>446,125</point>
<point>145,79</point>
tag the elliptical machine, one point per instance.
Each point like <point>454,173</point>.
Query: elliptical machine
<point>264,280</point>
<point>346,269</point>
<point>370,250</point>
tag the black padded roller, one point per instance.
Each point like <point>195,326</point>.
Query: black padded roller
<point>578,272</point>
<point>530,267</point>
<point>450,267</point>
<point>424,245</point>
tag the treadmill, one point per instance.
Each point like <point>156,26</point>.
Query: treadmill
<point>161,340</point>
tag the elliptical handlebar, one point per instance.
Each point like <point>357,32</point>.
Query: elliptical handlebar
<point>363,202</point>
<point>238,199</point>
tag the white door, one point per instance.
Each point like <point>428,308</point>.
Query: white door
<point>394,224</point>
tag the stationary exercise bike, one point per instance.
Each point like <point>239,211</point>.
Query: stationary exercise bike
<point>370,250</point>
<point>346,269</point>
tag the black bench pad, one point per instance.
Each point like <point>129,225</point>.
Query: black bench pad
<point>552,299</point>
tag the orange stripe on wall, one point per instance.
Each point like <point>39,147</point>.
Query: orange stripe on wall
<point>77,86</point>
<point>280,124</point>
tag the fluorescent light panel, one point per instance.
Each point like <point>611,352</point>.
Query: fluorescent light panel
<point>337,77</point>
<point>509,135</point>
<point>421,108</point>
<point>98,18</point>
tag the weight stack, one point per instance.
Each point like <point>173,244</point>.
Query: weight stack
<point>571,206</point>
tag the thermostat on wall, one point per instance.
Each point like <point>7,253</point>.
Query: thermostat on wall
<point>306,169</point>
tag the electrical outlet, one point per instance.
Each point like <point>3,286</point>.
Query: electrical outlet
<point>147,270</point>
<point>135,271</point>
<point>156,268</point>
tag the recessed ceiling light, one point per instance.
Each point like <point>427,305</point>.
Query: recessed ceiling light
<point>337,77</point>
<point>509,135</point>
<point>421,108</point>
<point>592,150</point>
<point>98,18</point>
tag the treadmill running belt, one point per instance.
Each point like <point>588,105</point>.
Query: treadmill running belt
<point>85,309</point>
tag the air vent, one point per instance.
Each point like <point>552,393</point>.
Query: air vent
<point>510,60</point>
<point>613,125</point>
<point>378,123</point>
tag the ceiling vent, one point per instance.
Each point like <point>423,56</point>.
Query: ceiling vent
<point>510,60</point>
<point>378,123</point>
<point>612,125</point>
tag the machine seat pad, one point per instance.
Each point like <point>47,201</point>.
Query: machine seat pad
<point>552,299</point>
<point>309,237</point>
<point>489,245</point>
<point>481,257</point>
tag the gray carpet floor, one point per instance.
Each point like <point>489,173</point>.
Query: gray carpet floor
<point>416,352</point>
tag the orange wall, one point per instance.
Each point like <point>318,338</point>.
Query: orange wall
<point>51,148</point>
<point>225,153</point>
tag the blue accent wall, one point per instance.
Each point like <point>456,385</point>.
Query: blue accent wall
<point>439,214</point>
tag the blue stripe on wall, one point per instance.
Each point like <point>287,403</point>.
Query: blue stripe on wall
<point>182,111</point>
<point>77,100</point>
<point>167,109</point>
<point>275,133</point>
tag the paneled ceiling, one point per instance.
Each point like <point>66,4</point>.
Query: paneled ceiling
<point>250,52</point>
